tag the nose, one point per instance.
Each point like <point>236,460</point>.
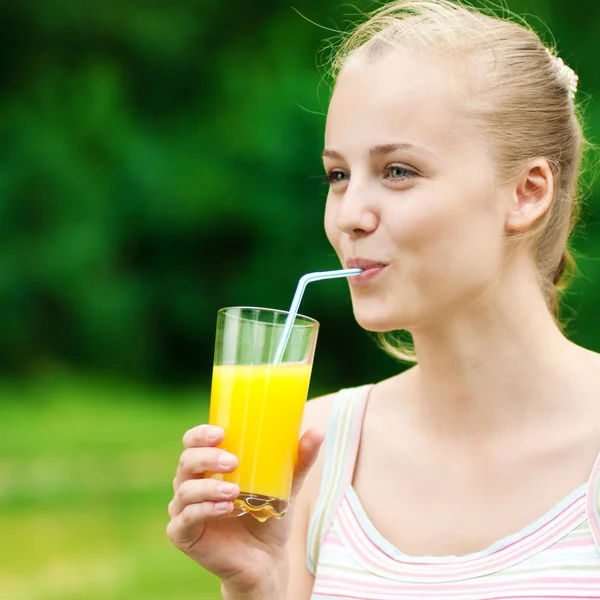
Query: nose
<point>355,214</point>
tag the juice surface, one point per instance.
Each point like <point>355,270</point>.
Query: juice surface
<point>260,408</point>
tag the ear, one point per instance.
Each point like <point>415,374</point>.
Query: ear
<point>531,196</point>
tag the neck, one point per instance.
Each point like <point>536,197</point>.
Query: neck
<point>498,366</point>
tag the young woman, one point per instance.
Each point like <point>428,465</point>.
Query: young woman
<point>453,151</point>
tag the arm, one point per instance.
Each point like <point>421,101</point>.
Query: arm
<point>301,581</point>
<point>292,580</point>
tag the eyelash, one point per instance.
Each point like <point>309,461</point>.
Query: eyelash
<point>329,178</point>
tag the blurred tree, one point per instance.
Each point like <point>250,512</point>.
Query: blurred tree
<point>161,160</point>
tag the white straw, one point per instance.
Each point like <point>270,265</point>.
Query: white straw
<point>293,312</point>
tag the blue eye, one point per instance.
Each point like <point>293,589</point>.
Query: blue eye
<point>396,172</point>
<point>392,172</point>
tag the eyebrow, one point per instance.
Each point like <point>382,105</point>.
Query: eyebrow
<point>379,150</point>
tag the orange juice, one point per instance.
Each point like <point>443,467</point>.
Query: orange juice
<point>260,408</point>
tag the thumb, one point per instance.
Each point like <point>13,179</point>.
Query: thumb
<point>308,450</point>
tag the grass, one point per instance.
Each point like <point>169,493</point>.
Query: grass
<point>85,479</point>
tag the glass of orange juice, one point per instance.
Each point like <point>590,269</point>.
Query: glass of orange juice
<point>260,404</point>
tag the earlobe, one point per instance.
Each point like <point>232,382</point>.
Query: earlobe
<point>531,197</point>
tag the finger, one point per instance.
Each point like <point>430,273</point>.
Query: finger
<point>203,435</point>
<point>194,462</point>
<point>187,527</point>
<point>308,450</point>
<point>194,491</point>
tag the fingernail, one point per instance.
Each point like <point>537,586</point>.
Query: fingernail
<point>212,433</point>
<point>221,506</point>
<point>226,460</point>
<point>226,488</point>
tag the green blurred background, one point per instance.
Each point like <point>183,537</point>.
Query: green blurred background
<point>160,160</point>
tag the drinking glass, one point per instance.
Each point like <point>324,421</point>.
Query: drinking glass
<point>259,403</point>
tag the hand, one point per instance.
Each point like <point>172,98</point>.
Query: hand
<point>244,553</point>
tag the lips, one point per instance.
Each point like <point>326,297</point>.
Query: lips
<point>370,270</point>
<point>364,263</point>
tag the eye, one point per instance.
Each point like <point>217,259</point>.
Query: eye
<point>336,176</point>
<point>398,172</point>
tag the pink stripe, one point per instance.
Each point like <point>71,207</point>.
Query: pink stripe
<point>456,567</point>
<point>556,583</point>
<point>330,540</point>
<point>427,591</point>
<point>593,503</point>
<point>352,528</point>
<point>567,544</point>
<point>519,541</point>
<point>545,525</point>
<point>331,595</point>
<point>544,597</point>
<point>346,528</point>
<point>373,586</point>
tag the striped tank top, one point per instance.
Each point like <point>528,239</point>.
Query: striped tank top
<point>558,556</point>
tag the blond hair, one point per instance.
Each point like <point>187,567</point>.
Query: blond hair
<point>516,94</point>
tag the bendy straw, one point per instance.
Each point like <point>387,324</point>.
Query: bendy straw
<point>293,312</point>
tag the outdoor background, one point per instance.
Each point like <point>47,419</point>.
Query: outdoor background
<point>160,160</point>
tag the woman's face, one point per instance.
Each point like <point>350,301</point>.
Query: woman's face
<point>412,190</point>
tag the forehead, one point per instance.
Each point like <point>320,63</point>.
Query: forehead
<point>401,97</point>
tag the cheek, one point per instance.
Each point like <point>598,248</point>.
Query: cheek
<point>419,226</point>
<point>449,238</point>
<point>331,231</point>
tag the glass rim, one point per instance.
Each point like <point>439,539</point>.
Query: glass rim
<point>309,321</point>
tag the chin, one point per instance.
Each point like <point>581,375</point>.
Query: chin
<point>379,322</point>
<point>376,317</point>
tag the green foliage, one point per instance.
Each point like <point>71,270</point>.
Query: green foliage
<point>161,160</point>
<point>84,489</point>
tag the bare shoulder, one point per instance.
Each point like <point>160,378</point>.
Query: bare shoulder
<point>317,412</point>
